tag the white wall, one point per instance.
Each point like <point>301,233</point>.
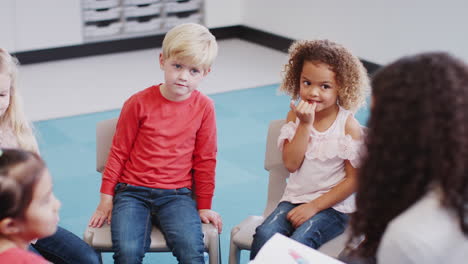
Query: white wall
<point>47,24</point>
<point>376,30</point>
<point>223,13</point>
<point>29,25</point>
<point>7,23</point>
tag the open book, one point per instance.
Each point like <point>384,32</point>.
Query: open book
<point>284,250</point>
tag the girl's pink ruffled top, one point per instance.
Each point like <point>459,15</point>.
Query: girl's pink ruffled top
<point>323,166</point>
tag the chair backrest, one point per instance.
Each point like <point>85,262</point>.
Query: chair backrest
<point>104,134</point>
<point>274,165</point>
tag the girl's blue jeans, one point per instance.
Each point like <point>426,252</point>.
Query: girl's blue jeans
<point>137,209</point>
<point>64,247</point>
<point>316,231</point>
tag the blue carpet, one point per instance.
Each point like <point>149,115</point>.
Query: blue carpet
<point>68,145</point>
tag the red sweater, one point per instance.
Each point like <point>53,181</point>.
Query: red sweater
<point>164,144</point>
<point>20,256</point>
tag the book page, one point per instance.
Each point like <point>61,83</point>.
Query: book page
<point>284,250</point>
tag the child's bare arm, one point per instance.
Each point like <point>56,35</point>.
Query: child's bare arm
<point>294,150</point>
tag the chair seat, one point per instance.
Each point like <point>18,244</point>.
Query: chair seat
<point>100,238</point>
<point>242,234</point>
<point>334,247</point>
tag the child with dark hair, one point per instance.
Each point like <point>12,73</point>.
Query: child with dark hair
<point>28,209</point>
<point>412,199</point>
<point>320,142</point>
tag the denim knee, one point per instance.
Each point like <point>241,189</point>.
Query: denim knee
<point>91,258</point>
<point>261,236</point>
<point>180,223</point>
<point>313,238</point>
<point>264,232</point>
<point>129,253</point>
<point>131,224</point>
<point>321,228</point>
<point>65,247</point>
<point>189,251</point>
<point>276,222</point>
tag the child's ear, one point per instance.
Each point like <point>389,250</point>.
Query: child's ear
<point>161,60</point>
<point>205,72</point>
<point>9,226</point>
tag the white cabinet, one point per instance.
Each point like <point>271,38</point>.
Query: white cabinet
<point>113,19</point>
<point>46,24</point>
<point>7,22</point>
<point>28,25</point>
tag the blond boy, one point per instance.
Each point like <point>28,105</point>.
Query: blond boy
<point>165,142</point>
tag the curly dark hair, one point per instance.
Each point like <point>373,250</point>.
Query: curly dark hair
<point>417,140</point>
<point>351,76</point>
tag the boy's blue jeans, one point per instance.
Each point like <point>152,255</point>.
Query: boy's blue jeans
<point>137,209</point>
<point>316,231</point>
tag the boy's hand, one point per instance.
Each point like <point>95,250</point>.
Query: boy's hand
<point>103,211</point>
<point>209,216</point>
<point>301,213</point>
<point>305,111</point>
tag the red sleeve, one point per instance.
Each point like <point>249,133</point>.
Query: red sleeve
<point>122,144</point>
<point>204,159</point>
<point>21,256</point>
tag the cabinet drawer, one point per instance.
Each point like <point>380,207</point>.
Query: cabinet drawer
<point>102,29</point>
<point>138,25</point>
<point>102,14</point>
<point>176,19</point>
<point>140,2</point>
<point>97,4</point>
<point>173,7</point>
<point>142,10</point>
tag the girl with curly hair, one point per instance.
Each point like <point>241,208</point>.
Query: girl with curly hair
<point>412,199</point>
<point>320,142</point>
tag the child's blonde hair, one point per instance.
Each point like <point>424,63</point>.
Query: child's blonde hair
<point>192,42</point>
<point>14,116</point>
<point>350,74</point>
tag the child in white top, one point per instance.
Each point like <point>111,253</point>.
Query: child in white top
<point>320,143</point>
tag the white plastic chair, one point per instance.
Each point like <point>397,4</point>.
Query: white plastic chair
<point>100,238</point>
<point>242,234</point>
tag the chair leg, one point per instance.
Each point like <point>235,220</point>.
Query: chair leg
<point>234,253</point>
<point>100,257</point>
<point>214,250</point>
<point>219,250</point>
